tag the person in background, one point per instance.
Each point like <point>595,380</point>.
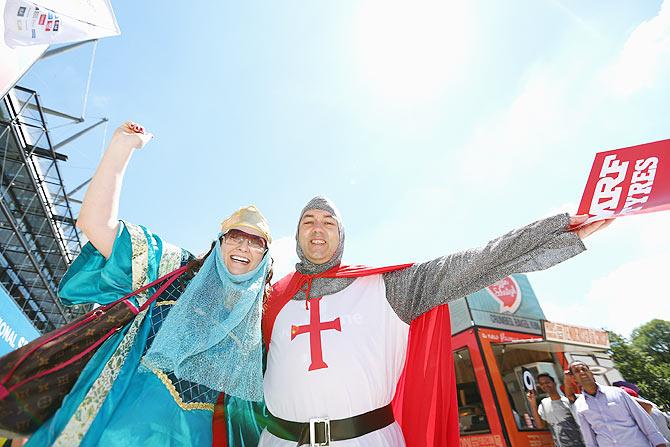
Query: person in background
<point>659,418</point>
<point>479,420</point>
<point>609,417</point>
<point>570,387</point>
<point>627,384</point>
<point>555,411</point>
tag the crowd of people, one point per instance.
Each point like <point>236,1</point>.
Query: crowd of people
<point>589,414</point>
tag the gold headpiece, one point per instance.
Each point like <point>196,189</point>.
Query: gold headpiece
<point>247,217</point>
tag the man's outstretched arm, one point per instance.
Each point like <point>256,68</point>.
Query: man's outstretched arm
<point>537,246</point>
<point>643,421</point>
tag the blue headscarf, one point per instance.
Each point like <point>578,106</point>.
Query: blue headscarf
<point>212,335</point>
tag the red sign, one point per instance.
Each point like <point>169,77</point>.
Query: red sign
<point>482,441</point>
<point>576,334</point>
<point>626,181</point>
<point>497,336</point>
<point>507,293</point>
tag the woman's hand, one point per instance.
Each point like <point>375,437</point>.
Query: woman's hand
<point>577,225</point>
<point>131,135</point>
<point>99,213</point>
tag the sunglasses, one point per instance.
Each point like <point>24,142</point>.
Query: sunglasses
<point>237,237</point>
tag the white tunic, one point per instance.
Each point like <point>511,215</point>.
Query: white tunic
<point>356,370</point>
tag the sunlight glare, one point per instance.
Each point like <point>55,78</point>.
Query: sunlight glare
<point>411,50</point>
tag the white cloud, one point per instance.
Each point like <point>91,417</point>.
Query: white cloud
<point>654,234</point>
<point>101,101</point>
<point>567,207</point>
<point>644,57</point>
<point>632,292</point>
<point>560,95</point>
<point>645,234</point>
<point>283,253</point>
<point>627,297</point>
<point>631,295</point>
<point>517,138</point>
<point>410,52</point>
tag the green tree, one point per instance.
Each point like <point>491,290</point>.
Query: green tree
<point>645,360</point>
<point>653,339</point>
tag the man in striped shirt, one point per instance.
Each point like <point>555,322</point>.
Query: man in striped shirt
<point>608,417</point>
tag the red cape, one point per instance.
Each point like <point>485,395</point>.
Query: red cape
<point>425,402</point>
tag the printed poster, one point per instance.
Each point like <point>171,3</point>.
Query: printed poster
<point>628,181</point>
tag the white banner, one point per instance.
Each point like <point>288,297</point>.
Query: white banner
<point>29,27</point>
<point>49,21</point>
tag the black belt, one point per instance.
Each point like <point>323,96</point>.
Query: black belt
<point>322,431</point>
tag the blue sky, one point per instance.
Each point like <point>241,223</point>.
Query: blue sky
<point>434,126</point>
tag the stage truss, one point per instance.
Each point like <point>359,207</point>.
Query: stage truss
<point>38,237</point>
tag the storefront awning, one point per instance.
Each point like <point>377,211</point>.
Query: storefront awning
<point>548,346</point>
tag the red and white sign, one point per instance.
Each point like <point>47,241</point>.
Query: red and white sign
<point>482,441</point>
<point>559,332</point>
<point>505,337</point>
<point>627,181</point>
<point>507,293</point>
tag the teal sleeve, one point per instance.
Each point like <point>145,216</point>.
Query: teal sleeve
<point>94,279</point>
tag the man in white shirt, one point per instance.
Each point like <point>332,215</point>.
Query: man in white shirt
<point>557,412</point>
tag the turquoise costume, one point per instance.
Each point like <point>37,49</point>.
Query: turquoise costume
<point>117,401</point>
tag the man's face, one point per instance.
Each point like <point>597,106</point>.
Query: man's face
<point>318,236</point>
<point>546,384</point>
<point>582,374</point>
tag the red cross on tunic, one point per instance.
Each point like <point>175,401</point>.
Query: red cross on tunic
<point>314,329</point>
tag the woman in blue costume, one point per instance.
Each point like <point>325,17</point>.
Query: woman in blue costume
<point>156,382</point>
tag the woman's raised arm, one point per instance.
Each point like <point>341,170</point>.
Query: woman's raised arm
<point>99,213</point>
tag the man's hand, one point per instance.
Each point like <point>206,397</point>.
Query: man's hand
<point>532,397</point>
<point>586,230</point>
<point>571,387</point>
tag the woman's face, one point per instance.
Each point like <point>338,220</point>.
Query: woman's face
<point>243,249</point>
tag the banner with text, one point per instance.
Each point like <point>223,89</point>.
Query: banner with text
<point>508,304</point>
<point>28,28</point>
<point>15,328</point>
<point>627,181</point>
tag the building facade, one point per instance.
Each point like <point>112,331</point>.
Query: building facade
<point>500,338</point>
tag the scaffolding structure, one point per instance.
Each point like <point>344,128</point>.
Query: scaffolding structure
<point>38,236</point>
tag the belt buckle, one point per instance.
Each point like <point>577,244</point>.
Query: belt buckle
<point>312,432</point>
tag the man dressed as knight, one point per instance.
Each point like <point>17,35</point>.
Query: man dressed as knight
<point>360,356</point>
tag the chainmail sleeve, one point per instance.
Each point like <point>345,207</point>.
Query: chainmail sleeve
<point>537,246</point>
